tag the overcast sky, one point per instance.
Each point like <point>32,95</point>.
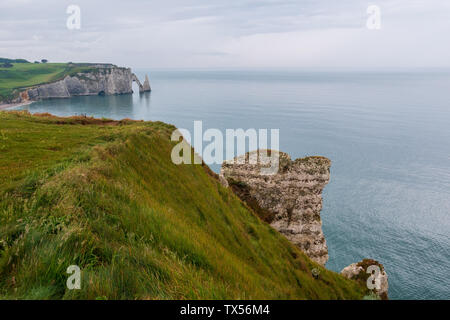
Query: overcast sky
<point>230,33</point>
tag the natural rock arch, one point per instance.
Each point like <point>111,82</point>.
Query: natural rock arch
<point>142,87</point>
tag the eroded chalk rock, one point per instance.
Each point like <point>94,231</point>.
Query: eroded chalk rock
<point>369,268</point>
<point>290,200</point>
<point>146,86</point>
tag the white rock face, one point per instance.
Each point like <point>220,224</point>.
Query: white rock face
<point>359,271</point>
<point>352,271</point>
<point>290,200</point>
<point>146,86</point>
<point>104,80</point>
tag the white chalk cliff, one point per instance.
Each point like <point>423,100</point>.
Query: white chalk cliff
<point>101,80</point>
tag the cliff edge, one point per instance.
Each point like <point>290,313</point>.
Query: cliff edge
<point>105,196</point>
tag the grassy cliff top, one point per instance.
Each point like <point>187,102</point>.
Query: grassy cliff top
<point>24,75</point>
<point>104,195</point>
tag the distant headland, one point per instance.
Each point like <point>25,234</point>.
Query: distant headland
<point>22,82</point>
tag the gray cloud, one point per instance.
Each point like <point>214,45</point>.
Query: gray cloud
<point>233,33</point>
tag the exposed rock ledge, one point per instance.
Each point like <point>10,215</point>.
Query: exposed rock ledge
<point>102,80</point>
<point>289,200</point>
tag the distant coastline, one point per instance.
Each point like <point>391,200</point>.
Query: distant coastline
<point>25,82</point>
<point>4,106</point>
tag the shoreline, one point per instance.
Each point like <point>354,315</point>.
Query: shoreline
<point>4,106</point>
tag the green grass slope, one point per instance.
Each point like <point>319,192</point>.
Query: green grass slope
<point>24,75</point>
<point>105,196</point>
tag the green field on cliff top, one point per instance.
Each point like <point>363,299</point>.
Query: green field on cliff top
<point>24,75</point>
<point>105,195</point>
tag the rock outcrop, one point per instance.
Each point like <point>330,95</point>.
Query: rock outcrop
<point>290,200</point>
<point>361,271</point>
<point>102,80</point>
<point>146,85</point>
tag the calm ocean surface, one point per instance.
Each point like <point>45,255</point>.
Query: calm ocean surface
<point>388,135</point>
